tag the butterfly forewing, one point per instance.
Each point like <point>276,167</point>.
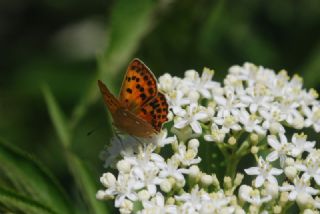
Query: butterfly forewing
<point>138,86</point>
<point>111,101</point>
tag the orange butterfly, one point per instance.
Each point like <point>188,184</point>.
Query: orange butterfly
<point>141,109</point>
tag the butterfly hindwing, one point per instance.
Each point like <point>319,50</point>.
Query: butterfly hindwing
<point>155,111</point>
<point>138,86</point>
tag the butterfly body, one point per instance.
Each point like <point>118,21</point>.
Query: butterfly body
<point>140,109</point>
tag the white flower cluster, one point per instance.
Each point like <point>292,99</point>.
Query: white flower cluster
<point>250,114</point>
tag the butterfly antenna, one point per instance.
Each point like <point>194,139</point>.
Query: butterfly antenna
<point>95,129</point>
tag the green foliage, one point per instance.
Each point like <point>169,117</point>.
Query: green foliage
<point>33,180</point>
<point>15,201</point>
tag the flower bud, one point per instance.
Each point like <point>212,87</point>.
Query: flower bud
<point>206,179</point>
<point>170,201</point>
<point>290,172</point>
<point>304,201</point>
<point>100,195</point>
<point>309,211</point>
<point>123,166</point>
<point>277,209</point>
<point>275,128</point>
<point>272,189</point>
<point>108,179</point>
<point>244,190</point>
<point>166,186</point>
<point>143,195</point>
<point>289,161</point>
<point>194,171</point>
<point>194,96</point>
<point>254,138</point>
<point>232,140</point>
<point>193,144</point>
<point>126,206</point>
<point>254,150</point>
<point>238,179</point>
<point>215,181</point>
<point>239,210</point>
<point>180,183</point>
<point>284,198</point>
<point>253,209</point>
<point>227,182</point>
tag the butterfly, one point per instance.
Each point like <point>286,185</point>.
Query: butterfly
<point>140,109</point>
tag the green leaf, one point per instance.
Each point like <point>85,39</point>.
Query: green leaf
<point>15,201</point>
<point>130,22</point>
<point>32,178</point>
<point>87,184</point>
<point>57,117</point>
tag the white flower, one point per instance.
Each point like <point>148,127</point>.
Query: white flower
<point>218,203</point>
<point>300,186</point>
<point>254,197</point>
<point>203,84</point>
<point>187,157</point>
<point>149,178</point>
<point>317,202</point>
<point>172,169</point>
<point>123,188</point>
<point>145,160</point>
<point>280,149</point>
<point>157,206</point>
<point>194,199</point>
<point>313,117</point>
<point>251,122</point>
<point>192,117</point>
<point>126,207</point>
<point>228,123</point>
<point>177,101</point>
<point>217,134</point>
<point>229,103</point>
<point>167,83</point>
<point>310,167</point>
<point>162,138</point>
<point>289,109</point>
<point>272,118</point>
<point>301,144</point>
<point>264,172</point>
<point>257,98</point>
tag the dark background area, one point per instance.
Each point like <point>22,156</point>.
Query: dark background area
<point>58,43</point>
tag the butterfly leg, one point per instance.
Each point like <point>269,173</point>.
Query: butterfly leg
<point>138,140</point>
<point>117,135</point>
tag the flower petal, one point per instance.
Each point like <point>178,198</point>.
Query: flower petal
<point>196,127</point>
<point>253,171</point>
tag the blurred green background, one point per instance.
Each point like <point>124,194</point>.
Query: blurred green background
<point>52,53</point>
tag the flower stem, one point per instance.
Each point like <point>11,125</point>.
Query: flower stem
<point>235,157</point>
<point>232,164</point>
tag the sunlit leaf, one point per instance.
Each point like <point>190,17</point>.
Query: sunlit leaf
<point>57,117</point>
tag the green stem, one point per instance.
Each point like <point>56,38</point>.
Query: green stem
<point>232,164</point>
<point>233,160</point>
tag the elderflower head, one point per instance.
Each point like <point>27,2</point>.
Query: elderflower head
<point>191,166</point>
